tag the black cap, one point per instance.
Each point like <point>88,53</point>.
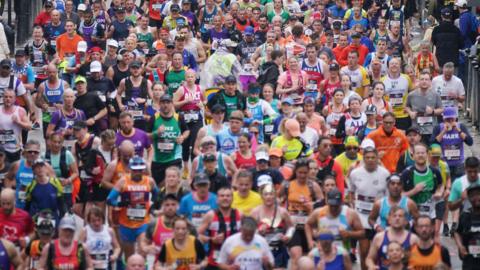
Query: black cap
<point>218,108</point>
<point>371,109</point>
<point>356,35</point>
<point>151,52</point>
<point>337,24</point>
<point>230,79</point>
<point>170,44</point>
<point>120,10</point>
<point>293,18</point>
<point>334,197</point>
<point>6,63</point>
<point>473,187</point>
<point>186,2</point>
<point>446,12</point>
<point>201,178</point>
<point>20,53</point>
<point>48,4</point>
<point>334,66</point>
<point>79,125</point>
<point>413,129</point>
<point>135,64</point>
<point>174,7</point>
<point>166,97</point>
<point>209,157</point>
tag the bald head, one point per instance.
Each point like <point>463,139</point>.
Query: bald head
<point>305,263</point>
<point>7,199</point>
<point>127,148</point>
<point>136,262</point>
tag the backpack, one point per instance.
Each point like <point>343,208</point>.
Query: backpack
<point>51,253</point>
<point>222,226</point>
<point>65,171</point>
<point>322,173</point>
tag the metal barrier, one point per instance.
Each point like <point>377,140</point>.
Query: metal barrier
<point>26,11</point>
<point>472,101</point>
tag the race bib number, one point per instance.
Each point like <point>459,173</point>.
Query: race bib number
<point>100,261</point>
<point>121,43</point>
<point>424,120</point>
<point>7,136</point>
<point>396,99</point>
<point>424,208</point>
<point>136,213</point>
<point>68,188</point>
<point>22,196</point>
<point>299,219</point>
<point>268,129</point>
<point>53,43</point>
<point>364,204</point>
<point>165,146</point>
<point>474,249</point>
<point>452,154</point>
<point>136,113</point>
<point>191,117</point>
<point>157,6</point>
<point>51,109</point>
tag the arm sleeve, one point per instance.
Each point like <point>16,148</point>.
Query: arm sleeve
<point>446,256</point>
<point>401,163</point>
<point>340,133</point>
<point>112,198</point>
<point>407,184</point>
<point>468,139</point>
<point>163,254</point>
<point>200,251</point>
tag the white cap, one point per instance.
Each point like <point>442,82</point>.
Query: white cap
<point>367,143</point>
<point>262,155</point>
<point>229,43</point>
<point>82,46</point>
<point>95,66</point>
<point>461,3</point>
<point>81,7</point>
<point>263,180</point>
<point>112,42</point>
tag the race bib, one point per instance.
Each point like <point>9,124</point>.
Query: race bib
<point>52,109</point>
<point>68,188</point>
<point>396,99</point>
<point>364,204</point>
<point>425,208</point>
<point>68,144</point>
<point>299,219</point>
<point>474,249</point>
<point>165,146</point>
<point>191,117</point>
<point>268,129</point>
<point>121,43</point>
<point>100,261</point>
<point>136,213</point>
<point>136,113</point>
<point>424,120</point>
<point>332,131</point>
<point>22,196</point>
<point>7,136</point>
<point>53,43</point>
<point>157,7</point>
<point>452,153</point>
<point>196,221</point>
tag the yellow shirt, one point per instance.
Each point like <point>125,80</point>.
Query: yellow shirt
<point>396,92</point>
<point>246,205</point>
<point>294,147</point>
<point>346,163</point>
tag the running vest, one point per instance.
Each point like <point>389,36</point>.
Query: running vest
<point>334,224</point>
<point>396,91</point>
<point>118,75</point>
<point>385,210</point>
<point>419,261</point>
<point>221,224</point>
<point>23,178</point>
<point>221,168</point>
<point>174,79</point>
<point>382,260</point>
<point>354,123</point>
<point>38,58</point>
<point>99,245</point>
<point>87,32</point>
<point>332,120</point>
<point>425,62</point>
<point>297,96</point>
<point>161,233</point>
<point>207,19</point>
<point>166,149</point>
<point>397,46</point>
<point>52,97</point>
<point>34,252</point>
<point>315,77</point>
<point>131,93</point>
<point>328,90</point>
<point>193,105</point>
<point>182,258</point>
<point>10,133</point>
<point>335,264</point>
<point>137,196</point>
<point>244,163</point>
<point>296,197</point>
<point>60,261</point>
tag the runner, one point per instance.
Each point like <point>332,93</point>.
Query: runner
<point>329,255</point>
<point>17,225</point>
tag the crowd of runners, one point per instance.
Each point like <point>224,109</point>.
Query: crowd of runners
<point>187,134</point>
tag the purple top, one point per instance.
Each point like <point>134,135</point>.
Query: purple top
<point>63,121</point>
<point>4,260</point>
<point>139,139</point>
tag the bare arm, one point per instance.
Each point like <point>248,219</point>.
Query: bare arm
<point>108,175</point>
<point>207,219</point>
<point>10,177</point>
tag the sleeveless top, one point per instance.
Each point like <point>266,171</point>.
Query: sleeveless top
<point>332,120</point>
<point>396,45</point>
<point>385,209</point>
<point>120,171</point>
<point>35,253</point>
<point>69,261</point>
<point>335,264</point>
<point>328,90</point>
<point>4,259</point>
<point>161,233</point>
<point>334,224</point>
<point>244,163</point>
<point>131,93</point>
<point>207,19</point>
<point>419,261</point>
<point>182,258</point>
<point>382,251</point>
<point>315,77</point>
<point>10,133</point>
<point>118,75</point>
<point>221,168</point>
<point>214,229</point>
<point>23,178</point>
<point>197,98</point>
<point>137,194</point>
<point>99,245</point>
<point>54,95</point>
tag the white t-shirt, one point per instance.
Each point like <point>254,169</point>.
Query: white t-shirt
<point>448,90</point>
<point>310,136</point>
<point>368,187</point>
<point>247,255</point>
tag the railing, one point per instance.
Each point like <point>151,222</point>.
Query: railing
<point>25,13</point>
<point>472,101</point>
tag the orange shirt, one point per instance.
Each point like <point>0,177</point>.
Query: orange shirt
<point>337,51</point>
<point>135,214</point>
<point>67,45</point>
<point>393,145</point>
<point>362,53</point>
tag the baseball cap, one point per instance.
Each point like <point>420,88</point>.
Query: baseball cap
<point>293,127</point>
<point>356,35</point>
<point>120,10</point>
<point>180,37</point>
<point>230,79</point>
<point>82,7</point>
<point>208,140</point>
<point>275,152</point>
<point>170,44</point>
<point>461,3</point>
<point>112,42</point>
<point>413,129</point>
<point>82,46</point>
<point>309,100</point>
<point>38,162</point>
<point>166,97</point>
<point>19,53</point>
<point>248,30</point>
<point>334,66</point>
<point>209,157</point>
<point>264,180</point>
<point>337,24</point>
<point>95,49</point>
<point>325,236</point>
<point>450,112</point>
<point>137,163</point>
<point>262,155</point>
<point>229,43</point>
<point>371,109</point>
<point>6,63</point>
<point>135,64</point>
<point>351,141</point>
<point>186,2</point>
<point>48,4</point>
<point>367,143</point>
<point>369,149</point>
<point>79,125</point>
<point>81,79</point>
<point>334,197</point>
<point>174,7</point>
<point>218,108</point>
<point>253,89</point>
<point>201,178</point>
<point>288,101</point>
<point>68,222</point>
<point>95,66</point>
<point>446,12</point>
<point>435,150</point>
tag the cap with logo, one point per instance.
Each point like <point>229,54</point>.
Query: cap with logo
<point>137,163</point>
<point>209,158</point>
<point>6,63</point>
<point>112,43</point>
<point>200,179</point>
<point>81,79</point>
<point>95,66</point>
<point>288,101</point>
<point>175,7</point>
<point>371,109</point>
<point>38,162</point>
<point>230,79</point>
<point>249,31</point>
<point>435,150</point>
<point>262,155</point>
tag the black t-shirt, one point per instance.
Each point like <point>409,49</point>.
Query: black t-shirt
<point>469,231</point>
<point>274,174</point>
<point>104,85</point>
<point>89,103</point>
<point>217,181</point>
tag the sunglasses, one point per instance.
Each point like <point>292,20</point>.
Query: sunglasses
<point>351,148</point>
<point>32,152</point>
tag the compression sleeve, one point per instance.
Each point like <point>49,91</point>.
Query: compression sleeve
<point>112,198</point>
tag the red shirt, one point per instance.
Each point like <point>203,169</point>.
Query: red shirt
<point>362,53</point>
<point>339,177</point>
<point>42,19</point>
<point>15,226</point>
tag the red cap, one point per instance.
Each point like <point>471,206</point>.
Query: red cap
<point>95,49</point>
<point>316,16</point>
